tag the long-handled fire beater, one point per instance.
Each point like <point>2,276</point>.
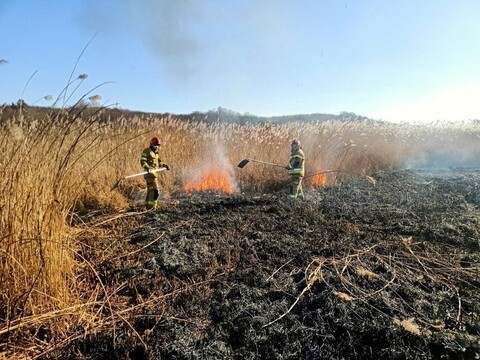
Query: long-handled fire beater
<point>117,183</point>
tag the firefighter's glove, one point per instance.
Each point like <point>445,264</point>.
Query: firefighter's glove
<point>287,167</point>
<point>166,167</point>
<point>147,170</point>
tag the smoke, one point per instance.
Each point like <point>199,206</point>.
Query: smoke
<point>443,159</point>
<point>446,151</point>
<point>186,36</point>
<point>214,165</point>
<point>170,38</point>
<point>3,61</point>
<point>164,27</point>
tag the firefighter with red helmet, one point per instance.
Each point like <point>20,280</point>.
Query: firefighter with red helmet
<point>296,169</point>
<point>150,160</point>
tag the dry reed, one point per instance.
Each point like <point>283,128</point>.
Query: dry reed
<point>64,164</point>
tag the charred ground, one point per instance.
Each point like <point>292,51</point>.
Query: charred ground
<point>384,267</point>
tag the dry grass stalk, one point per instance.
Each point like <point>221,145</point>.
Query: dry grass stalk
<point>342,296</point>
<point>408,325</point>
<point>366,273</point>
<point>371,180</point>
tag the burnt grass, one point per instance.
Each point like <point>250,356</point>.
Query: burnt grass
<point>376,268</point>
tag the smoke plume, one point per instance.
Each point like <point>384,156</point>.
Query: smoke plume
<point>184,34</point>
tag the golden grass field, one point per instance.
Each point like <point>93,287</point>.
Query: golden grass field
<point>58,169</point>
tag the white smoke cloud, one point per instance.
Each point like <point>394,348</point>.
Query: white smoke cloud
<point>212,159</point>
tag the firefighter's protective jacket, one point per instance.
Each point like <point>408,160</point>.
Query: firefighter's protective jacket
<point>296,165</point>
<point>151,160</point>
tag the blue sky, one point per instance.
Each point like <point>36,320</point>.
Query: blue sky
<point>392,60</point>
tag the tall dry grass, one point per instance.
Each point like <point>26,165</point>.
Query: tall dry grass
<point>58,168</point>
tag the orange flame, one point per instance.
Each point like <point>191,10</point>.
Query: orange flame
<point>319,180</point>
<point>215,180</point>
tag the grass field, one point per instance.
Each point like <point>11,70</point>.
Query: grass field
<point>58,170</point>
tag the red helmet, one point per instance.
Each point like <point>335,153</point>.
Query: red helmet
<point>297,143</point>
<point>155,141</point>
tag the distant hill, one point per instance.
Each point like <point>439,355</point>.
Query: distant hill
<point>226,115</point>
<point>219,114</point>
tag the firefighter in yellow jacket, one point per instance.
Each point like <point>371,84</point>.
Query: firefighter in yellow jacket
<point>296,169</point>
<point>150,160</point>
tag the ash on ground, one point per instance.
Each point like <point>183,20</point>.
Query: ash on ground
<point>381,267</point>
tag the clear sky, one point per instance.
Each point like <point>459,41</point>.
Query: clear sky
<point>398,60</point>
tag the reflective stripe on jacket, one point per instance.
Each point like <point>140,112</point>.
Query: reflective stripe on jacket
<point>149,159</point>
<point>296,165</point>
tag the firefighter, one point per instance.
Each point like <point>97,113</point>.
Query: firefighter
<point>296,169</point>
<point>150,160</point>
